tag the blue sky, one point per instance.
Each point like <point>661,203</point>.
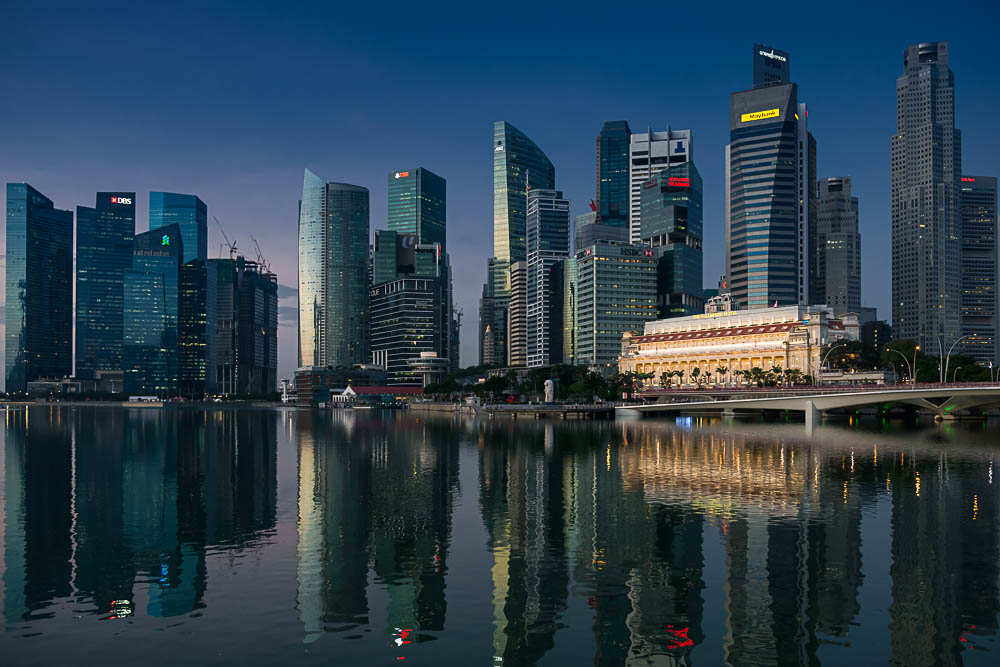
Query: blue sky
<point>231,101</point>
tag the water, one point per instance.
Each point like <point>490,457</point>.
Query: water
<point>258,537</point>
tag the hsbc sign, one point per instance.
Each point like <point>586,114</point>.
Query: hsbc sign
<point>637,252</point>
<point>121,200</point>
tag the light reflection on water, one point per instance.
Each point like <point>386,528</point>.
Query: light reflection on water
<point>259,535</point>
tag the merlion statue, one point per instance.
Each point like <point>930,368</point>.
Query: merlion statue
<point>550,391</point>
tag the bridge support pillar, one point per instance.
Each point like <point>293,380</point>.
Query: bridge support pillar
<point>813,416</point>
<point>628,413</point>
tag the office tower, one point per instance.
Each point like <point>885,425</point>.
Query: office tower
<point>39,315</point>
<point>518,166</point>
<point>517,315</point>
<point>587,230</point>
<point>151,298</point>
<point>671,222</point>
<point>649,153</point>
<point>492,320</point>
<point>418,206</point>
<point>333,273</point>
<point>562,319</point>
<point>613,173</point>
<point>770,66</point>
<point>410,307</point>
<point>926,167</point>
<point>547,227</point>
<point>770,209</point>
<point>980,308</point>
<point>189,213</point>
<point>838,243</point>
<point>615,293</point>
<point>246,332</point>
<point>104,236</point>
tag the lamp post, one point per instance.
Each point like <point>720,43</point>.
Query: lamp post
<point>913,373</point>
<point>948,358</point>
<point>954,374</point>
<point>823,362</point>
<point>905,360</point>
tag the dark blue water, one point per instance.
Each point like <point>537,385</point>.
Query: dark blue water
<point>259,537</point>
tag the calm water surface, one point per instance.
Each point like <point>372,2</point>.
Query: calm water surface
<point>263,536</point>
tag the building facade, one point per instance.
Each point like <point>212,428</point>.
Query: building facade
<point>39,289</point>
<point>333,273</point>
<point>980,308</point>
<point>671,223</point>
<point>588,230</point>
<point>189,213</point>
<point>562,317</point>
<point>151,323</point>
<point>408,319</point>
<point>926,167</point>
<point>517,315</point>
<point>719,344</point>
<point>615,292</point>
<point>418,205</point>
<point>838,260</point>
<point>104,238</point>
<point>613,173</point>
<point>548,243</point>
<point>650,152</point>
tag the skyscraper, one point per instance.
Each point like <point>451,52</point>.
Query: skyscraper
<point>770,191</point>
<point>517,315</point>
<point>980,309</point>
<point>189,213</point>
<point>518,166</point>
<point>926,167</point>
<point>649,153</point>
<point>838,268</point>
<point>104,237</point>
<point>548,242</point>
<point>671,222</point>
<point>333,273</point>
<point>770,66</point>
<point>613,173</point>
<point>587,230</point>
<point>418,205</point>
<point>39,316</point>
<point>151,322</point>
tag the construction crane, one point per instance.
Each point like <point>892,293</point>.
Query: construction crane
<point>260,256</point>
<point>232,246</point>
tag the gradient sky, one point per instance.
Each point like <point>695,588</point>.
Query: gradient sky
<point>232,101</point>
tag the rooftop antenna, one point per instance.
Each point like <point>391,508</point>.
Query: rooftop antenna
<point>232,246</point>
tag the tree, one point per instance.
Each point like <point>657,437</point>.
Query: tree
<point>696,376</point>
<point>721,373</point>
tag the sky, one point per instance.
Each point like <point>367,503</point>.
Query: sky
<point>232,101</point>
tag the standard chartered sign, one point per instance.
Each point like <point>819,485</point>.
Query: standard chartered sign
<point>772,55</point>
<point>760,115</point>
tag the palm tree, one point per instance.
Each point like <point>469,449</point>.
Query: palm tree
<point>696,376</point>
<point>721,373</point>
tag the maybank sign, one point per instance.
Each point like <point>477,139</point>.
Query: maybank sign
<point>760,115</point>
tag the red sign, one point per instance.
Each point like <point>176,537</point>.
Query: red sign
<point>679,182</point>
<point>647,253</point>
<point>968,180</point>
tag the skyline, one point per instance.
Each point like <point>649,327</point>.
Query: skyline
<point>243,147</point>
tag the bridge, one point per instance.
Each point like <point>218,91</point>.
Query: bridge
<point>943,400</point>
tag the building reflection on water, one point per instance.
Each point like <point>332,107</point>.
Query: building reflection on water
<point>648,527</point>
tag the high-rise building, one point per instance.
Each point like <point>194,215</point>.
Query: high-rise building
<point>418,205</point>
<point>838,259</point>
<point>104,237</point>
<point>517,315</point>
<point>39,315</point>
<point>246,332</point>
<point>548,242</point>
<point>980,308</point>
<point>562,318</point>
<point>649,153</point>
<point>333,273</point>
<point>587,230</point>
<point>613,173</point>
<point>189,213</point>
<point>151,322</point>
<point>926,167</point>
<point>770,191</point>
<point>615,292</point>
<point>671,223</point>
<point>518,166</point>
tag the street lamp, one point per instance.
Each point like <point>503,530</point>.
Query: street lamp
<point>954,374</point>
<point>948,358</point>
<point>905,360</point>
<point>823,362</point>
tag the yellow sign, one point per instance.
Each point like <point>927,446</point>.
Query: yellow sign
<point>760,115</point>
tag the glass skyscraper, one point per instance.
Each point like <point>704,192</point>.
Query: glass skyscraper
<point>152,294</point>
<point>548,243</point>
<point>39,288</point>
<point>104,238</point>
<point>613,173</point>
<point>189,213</point>
<point>418,205</point>
<point>671,222</point>
<point>980,308</point>
<point>838,266</point>
<point>333,273</point>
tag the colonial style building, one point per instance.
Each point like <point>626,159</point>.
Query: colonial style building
<point>791,337</point>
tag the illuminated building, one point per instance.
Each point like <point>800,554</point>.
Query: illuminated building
<point>790,337</point>
<point>104,237</point>
<point>39,315</point>
<point>980,306</point>
<point>838,268</point>
<point>926,168</point>
<point>770,190</point>
<point>615,293</point>
<point>649,153</point>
